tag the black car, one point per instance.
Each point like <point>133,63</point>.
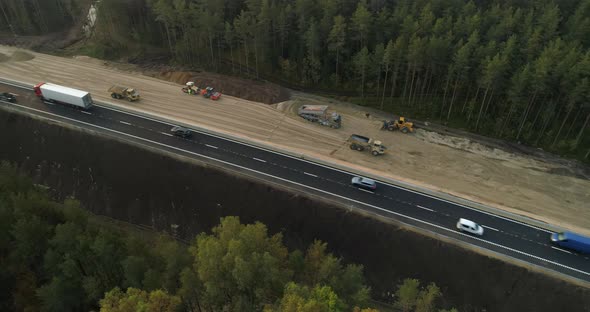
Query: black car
<point>181,132</point>
<point>8,97</point>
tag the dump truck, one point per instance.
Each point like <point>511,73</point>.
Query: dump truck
<point>361,143</point>
<point>118,92</point>
<point>400,124</point>
<point>52,93</point>
<point>320,114</point>
<point>8,97</point>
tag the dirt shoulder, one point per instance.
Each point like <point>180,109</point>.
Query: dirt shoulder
<point>547,190</point>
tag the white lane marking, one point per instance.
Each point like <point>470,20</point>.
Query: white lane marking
<point>309,174</point>
<point>125,123</point>
<point>491,228</point>
<point>421,207</point>
<point>306,186</point>
<point>211,146</point>
<point>164,133</point>
<point>49,103</point>
<point>363,191</point>
<point>331,168</point>
<point>562,250</point>
<point>258,159</point>
<point>85,112</point>
<point>313,163</point>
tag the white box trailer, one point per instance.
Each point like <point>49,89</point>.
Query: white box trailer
<point>64,95</point>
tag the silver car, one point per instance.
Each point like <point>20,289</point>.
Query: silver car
<point>364,183</point>
<point>469,226</point>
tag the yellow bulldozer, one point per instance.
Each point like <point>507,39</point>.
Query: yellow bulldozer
<point>400,124</point>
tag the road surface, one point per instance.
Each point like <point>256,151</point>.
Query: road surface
<point>502,235</point>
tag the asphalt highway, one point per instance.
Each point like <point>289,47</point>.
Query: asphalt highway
<point>509,237</point>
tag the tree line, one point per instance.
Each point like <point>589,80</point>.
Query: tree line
<point>57,257</point>
<point>37,17</point>
<point>517,70</point>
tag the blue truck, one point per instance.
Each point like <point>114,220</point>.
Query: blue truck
<point>572,241</point>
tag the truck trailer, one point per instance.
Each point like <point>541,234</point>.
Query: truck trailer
<point>572,241</point>
<point>48,92</point>
<point>320,114</point>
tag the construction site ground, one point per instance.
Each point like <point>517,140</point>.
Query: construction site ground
<point>544,189</point>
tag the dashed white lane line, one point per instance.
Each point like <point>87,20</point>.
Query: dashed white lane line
<point>561,249</point>
<point>422,207</point>
<point>366,191</point>
<point>491,228</point>
<point>211,146</point>
<point>125,123</point>
<point>85,112</point>
<point>309,174</point>
<point>164,133</point>
<point>309,187</point>
<point>258,159</point>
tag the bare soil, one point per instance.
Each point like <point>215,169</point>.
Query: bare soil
<point>124,181</point>
<point>530,186</point>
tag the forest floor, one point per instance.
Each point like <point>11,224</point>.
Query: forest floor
<point>543,188</point>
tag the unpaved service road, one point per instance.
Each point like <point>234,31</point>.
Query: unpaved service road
<point>452,165</point>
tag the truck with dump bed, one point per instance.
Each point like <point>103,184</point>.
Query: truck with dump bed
<point>320,114</point>
<point>572,241</point>
<point>361,143</point>
<point>48,92</point>
<point>118,92</point>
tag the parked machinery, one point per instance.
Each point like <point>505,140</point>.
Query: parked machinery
<point>400,124</point>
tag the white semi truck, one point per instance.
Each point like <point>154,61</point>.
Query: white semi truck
<point>63,95</point>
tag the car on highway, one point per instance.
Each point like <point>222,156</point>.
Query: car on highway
<point>181,131</point>
<point>8,97</point>
<point>364,183</point>
<point>469,226</point>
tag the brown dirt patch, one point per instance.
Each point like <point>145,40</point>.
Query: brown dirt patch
<point>258,91</point>
<point>4,57</point>
<point>21,56</point>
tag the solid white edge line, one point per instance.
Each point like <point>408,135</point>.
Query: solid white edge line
<point>331,168</point>
<point>309,187</point>
<point>313,163</point>
<point>310,174</point>
<point>211,146</point>
<point>125,123</point>
<point>421,207</point>
<point>258,159</point>
<point>563,250</point>
<point>491,228</point>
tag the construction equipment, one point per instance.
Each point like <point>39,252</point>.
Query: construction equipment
<point>190,88</point>
<point>400,124</point>
<point>8,97</point>
<point>361,143</point>
<point>207,92</point>
<point>118,92</point>
<point>320,114</point>
<point>215,96</point>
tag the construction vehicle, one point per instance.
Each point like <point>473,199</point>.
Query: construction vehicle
<point>215,96</point>
<point>118,92</point>
<point>320,114</point>
<point>8,97</point>
<point>51,93</point>
<point>400,124</point>
<point>361,143</point>
<point>190,88</point>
